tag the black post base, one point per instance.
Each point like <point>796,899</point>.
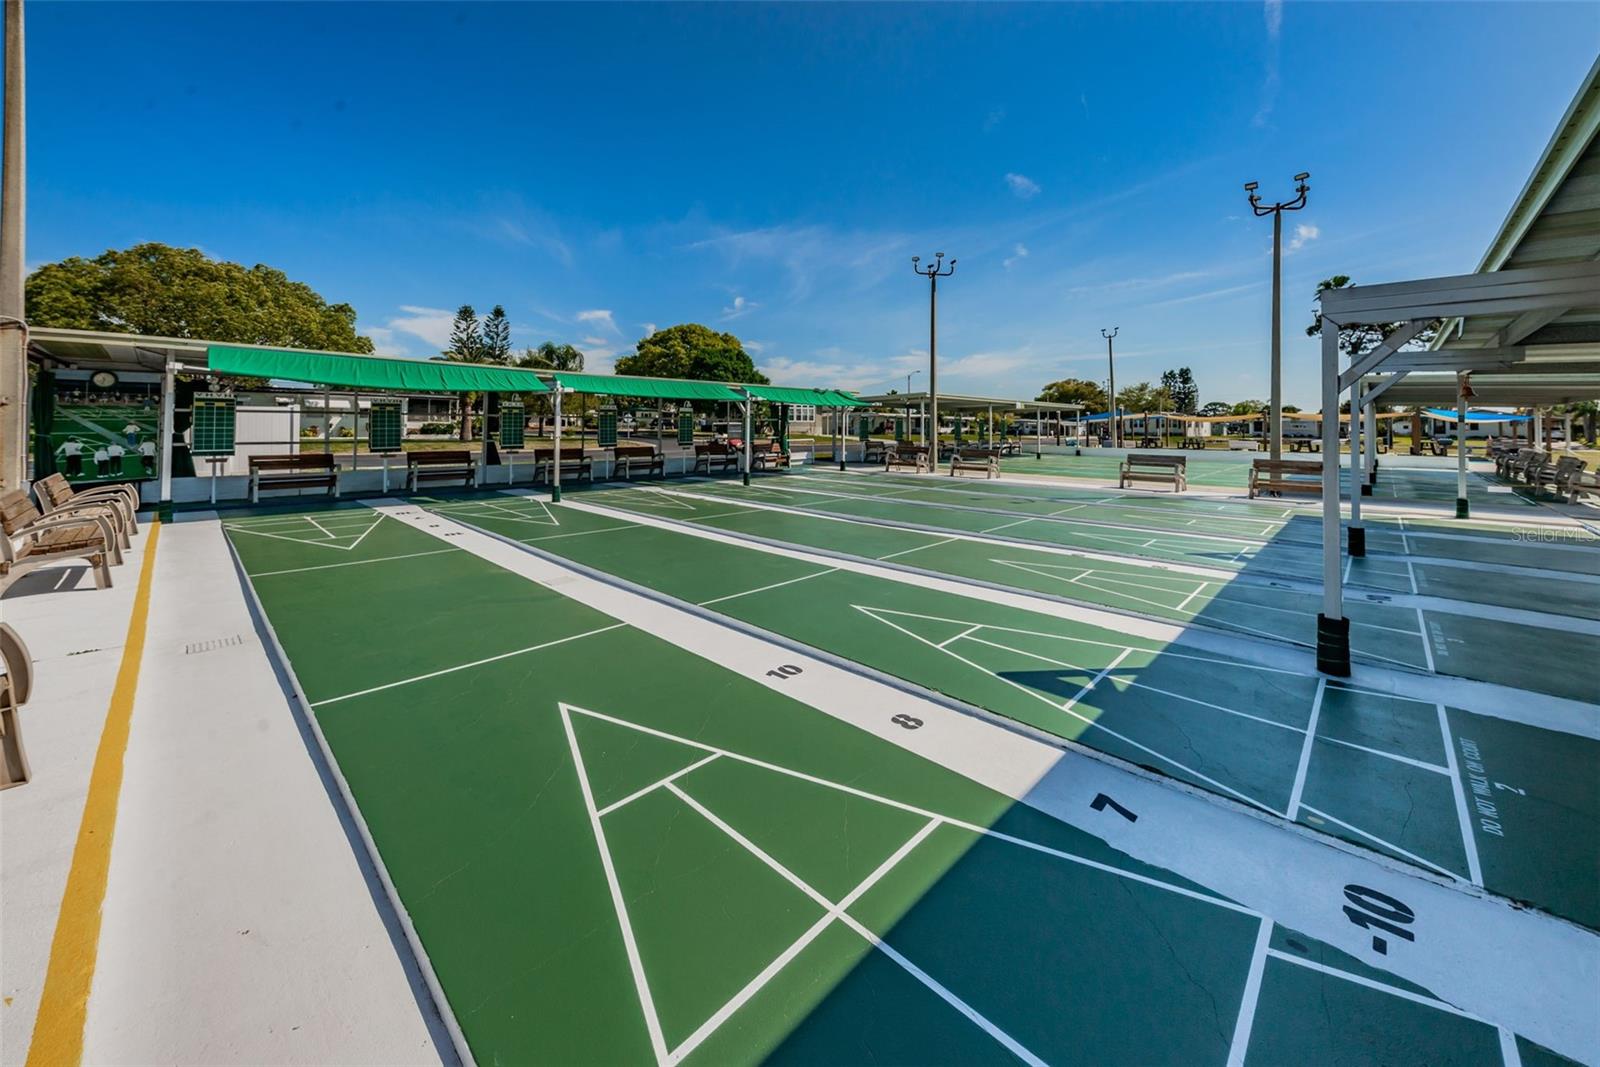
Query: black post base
<point>1333,646</point>
<point>746,477</point>
<point>1461,507</point>
<point>555,494</point>
<point>1366,490</point>
<point>1358,540</point>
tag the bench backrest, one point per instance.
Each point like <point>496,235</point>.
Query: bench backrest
<point>1158,461</point>
<point>306,461</point>
<point>16,510</point>
<point>1287,466</point>
<point>540,455</point>
<point>634,450</point>
<point>457,457</point>
<point>980,453</point>
<point>55,489</point>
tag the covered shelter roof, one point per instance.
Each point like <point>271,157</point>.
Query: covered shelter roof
<point>958,402</point>
<point>654,388</point>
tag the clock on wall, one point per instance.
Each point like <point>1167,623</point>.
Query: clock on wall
<point>103,379</point>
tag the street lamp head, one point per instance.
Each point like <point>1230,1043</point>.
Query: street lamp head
<point>1251,187</point>
<point>1302,176</point>
<point>916,259</point>
<point>939,255</point>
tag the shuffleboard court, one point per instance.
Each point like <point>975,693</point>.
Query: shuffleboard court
<point>1395,482</point>
<point>612,850</point>
<point>1385,772</point>
<point>1384,628</point>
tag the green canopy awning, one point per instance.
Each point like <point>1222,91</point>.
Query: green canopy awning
<point>658,388</point>
<point>372,372</point>
<point>783,394</point>
<point>843,400</point>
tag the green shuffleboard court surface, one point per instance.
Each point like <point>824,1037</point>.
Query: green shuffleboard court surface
<point>615,851</point>
<point>1385,772</point>
<point>1112,573</point>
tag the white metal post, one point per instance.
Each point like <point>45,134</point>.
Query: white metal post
<point>1369,412</point>
<point>555,458</point>
<point>1275,416</point>
<point>748,404</point>
<point>1358,535</point>
<point>1461,446</point>
<point>1333,629</point>
<point>13,221</point>
<point>168,383</point>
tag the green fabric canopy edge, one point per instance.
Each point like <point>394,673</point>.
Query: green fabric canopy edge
<point>660,388</point>
<point>371,372</point>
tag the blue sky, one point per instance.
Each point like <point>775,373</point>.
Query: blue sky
<point>770,170</point>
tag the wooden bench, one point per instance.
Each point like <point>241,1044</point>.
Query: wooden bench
<point>764,453</point>
<point>308,470</point>
<point>1557,475</point>
<point>716,457</point>
<point>29,539</point>
<point>121,502</point>
<point>1198,443</point>
<point>1172,470</point>
<point>1279,476</point>
<point>443,465</point>
<point>575,463</point>
<point>876,452</point>
<point>986,460</point>
<point>913,456</point>
<point>15,687</point>
<point>626,458</point>
<point>1583,483</point>
<point>1304,444</point>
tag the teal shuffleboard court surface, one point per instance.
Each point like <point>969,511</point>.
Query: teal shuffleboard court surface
<point>213,431</point>
<point>384,426</point>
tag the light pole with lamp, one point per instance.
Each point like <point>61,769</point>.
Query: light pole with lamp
<point>933,272</point>
<point>1111,395</point>
<point>1275,415</point>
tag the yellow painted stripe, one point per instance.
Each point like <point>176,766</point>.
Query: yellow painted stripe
<point>63,1006</point>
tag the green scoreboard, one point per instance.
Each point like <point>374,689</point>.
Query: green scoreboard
<point>513,424</point>
<point>212,433</point>
<point>606,422</point>
<point>385,428</point>
<point>863,426</point>
<point>686,428</point>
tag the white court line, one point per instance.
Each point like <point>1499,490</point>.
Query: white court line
<point>1403,994</point>
<point>1421,765</point>
<point>1096,680</point>
<point>1412,856</point>
<point>353,563</point>
<point>1427,640</point>
<point>1510,1055</point>
<point>1007,525</point>
<point>918,548</point>
<point>1467,838</point>
<point>321,527</point>
<point>466,666</point>
<point>1292,812</point>
<point>964,633</point>
<point>764,588</point>
<point>1184,603</point>
<point>653,786</point>
<point>635,964</point>
<point>1251,996</point>
<point>836,911</point>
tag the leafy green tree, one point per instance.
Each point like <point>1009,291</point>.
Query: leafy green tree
<point>1181,390</point>
<point>1249,407</point>
<point>549,356</point>
<point>497,337</point>
<point>691,350</point>
<point>164,291</point>
<point>1142,397</point>
<point>1075,391</point>
<point>1216,408</point>
<point>466,337</point>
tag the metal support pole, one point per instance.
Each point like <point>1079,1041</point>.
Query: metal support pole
<point>747,450</point>
<point>1357,535</point>
<point>1461,446</point>
<point>168,402</point>
<point>1111,389</point>
<point>13,222</point>
<point>1369,412</point>
<point>1275,414</point>
<point>1333,629</point>
<point>555,455</point>
<point>844,438</point>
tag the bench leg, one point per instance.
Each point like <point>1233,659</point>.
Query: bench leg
<point>102,571</point>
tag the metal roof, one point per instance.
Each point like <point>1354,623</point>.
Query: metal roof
<point>958,402</point>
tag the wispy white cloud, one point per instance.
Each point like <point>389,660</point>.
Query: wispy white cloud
<point>1019,252</point>
<point>808,252</point>
<point>600,317</point>
<point>756,347</point>
<point>1272,11</point>
<point>648,328</point>
<point>1139,283</point>
<point>384,342</point>
<point>739,308</point>
<point>994,118</point>
<point>1302,235</point>
<point>1022,186</point>
<point>430,324</point>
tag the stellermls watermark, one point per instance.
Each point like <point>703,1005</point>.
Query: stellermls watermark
<point>1549,536</point>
